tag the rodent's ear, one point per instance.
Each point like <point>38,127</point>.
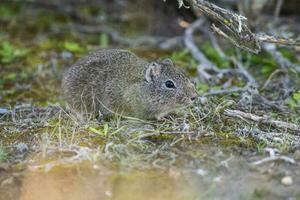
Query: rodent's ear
<point>153,71</point>
<point>168,61</point>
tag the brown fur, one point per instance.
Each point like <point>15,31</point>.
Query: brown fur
<point>118,81</point>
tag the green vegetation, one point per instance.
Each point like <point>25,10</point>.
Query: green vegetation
<point>103,40</point>
<point>73,47</point>
<point>34,51</point>
<point>213,55</point>
<point>9,53</point>
<point>3,154</point>
<point>294,101</point>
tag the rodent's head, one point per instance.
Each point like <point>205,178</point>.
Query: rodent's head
<point>169,86</point>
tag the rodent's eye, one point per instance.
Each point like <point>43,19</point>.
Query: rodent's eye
<point>170,84</point>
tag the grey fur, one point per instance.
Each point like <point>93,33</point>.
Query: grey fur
<point>117,81</point>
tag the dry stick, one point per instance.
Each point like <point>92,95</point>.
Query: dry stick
<point>278,40</point>
<point>244,72</point>
<point>222,92</point>
<point>190,43</point>
<point>278,8</point>
<point>277,71</point>
<point>280,59</point>
<point>215,44</point>
<point>269,137</point>
<point>235,30</point>
<point>263,119</point>
<point>274,158</point>
<point>206,64</point>
<point>197,54</point>
<point>241,69</point>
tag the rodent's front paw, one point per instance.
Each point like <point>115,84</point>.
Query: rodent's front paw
<point>158,118</point>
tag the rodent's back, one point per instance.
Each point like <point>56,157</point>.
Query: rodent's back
<point>100,78</point>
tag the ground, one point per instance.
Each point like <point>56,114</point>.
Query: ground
<point>196,153</point>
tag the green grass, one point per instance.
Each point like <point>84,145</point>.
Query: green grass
<point>3,153</point>
<point>38,64</point>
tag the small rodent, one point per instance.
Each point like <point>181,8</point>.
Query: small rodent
<point>117,81</point>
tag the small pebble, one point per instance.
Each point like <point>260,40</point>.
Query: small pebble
<point>201,172</point>
<point>108,193</point>
<point>66,55</point>
<point>287,180</point>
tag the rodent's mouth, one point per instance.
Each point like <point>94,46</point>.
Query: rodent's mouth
<point>189,101</point>
<point>186,103</point>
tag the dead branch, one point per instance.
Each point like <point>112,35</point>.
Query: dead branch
<point>190,44</point>
<point>245,73</point>
<point>234,28</point>
<point>215,44</point>
<point>225,91</point>
<point>278,40</point>
<point>263,119</point>
<point>283,62</point>
<point>278,8</point>
<point>269,138</point>
<point>274,155</point>
<point>197,54</point>
<point>277,71</point>
<point>274,158</point>
<point>206,64</point>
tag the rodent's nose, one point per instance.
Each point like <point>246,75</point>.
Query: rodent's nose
<point>194,98</point>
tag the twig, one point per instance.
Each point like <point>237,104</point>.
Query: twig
<point>280,59</point>
<point>233,27</point>
<point>278,8</point>
<point>245,73</point>
<point>274,158</point>
<point>190,44</point>
<point>197,54</point>
<point>270,138</point>
<point>176,132</point>
<point>271,77</point>
<point>206,67</point>
<point>263,119</point>
<point>215,44</point>
<point>205,64</point>
<point>261,100</point>
<point>222,92</point>
<point>278,40</point>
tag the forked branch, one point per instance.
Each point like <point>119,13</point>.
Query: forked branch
<point>233,27</point>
